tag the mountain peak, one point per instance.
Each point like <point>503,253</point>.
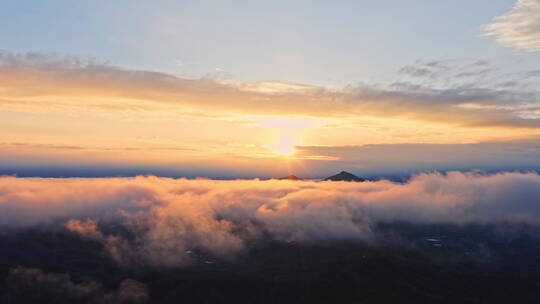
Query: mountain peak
<point>344,176</point>
<point>291,177</point>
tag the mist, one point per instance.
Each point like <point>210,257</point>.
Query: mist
<point>162,221</point>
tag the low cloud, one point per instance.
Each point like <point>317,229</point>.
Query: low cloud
<point>87,228</point>
<point>166,222</point>
<point>28,285</point>
<point>518,28</point>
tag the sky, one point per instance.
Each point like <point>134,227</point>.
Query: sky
<point>262,89</point>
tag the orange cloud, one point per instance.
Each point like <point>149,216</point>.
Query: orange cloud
<point>28,80</point>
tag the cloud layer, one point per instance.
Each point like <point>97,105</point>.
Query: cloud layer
<point>395,158</point>
<point>452,91</point>
<point>167,221</point>
<point>519,28</point>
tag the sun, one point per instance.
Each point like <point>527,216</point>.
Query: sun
<point>285,150</point>
<point>285,145</point>
<point>285,132</point>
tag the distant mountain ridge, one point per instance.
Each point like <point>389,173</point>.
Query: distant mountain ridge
<point>344,176</point>
<point>341,176</point>
<point>290,177</point>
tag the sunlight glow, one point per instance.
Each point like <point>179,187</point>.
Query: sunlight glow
<point>285,144</point>
<point>286,131</point>
<point>290,123</point>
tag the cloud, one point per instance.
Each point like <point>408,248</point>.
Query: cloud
<point>435,91</point>
<point>33,284</point>
<point>170,222</point>
<point>518,28</point>
<point>73,147</point>
<point>132,291</point>
<point>87,228</point>
<point>395,158</point>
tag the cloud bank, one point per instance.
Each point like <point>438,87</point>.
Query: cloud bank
<point>519,28</point>
<point>395,158</point>
<point>166,222</point>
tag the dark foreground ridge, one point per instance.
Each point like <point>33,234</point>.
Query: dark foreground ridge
<point>428,264</point>
<point>344,176</point>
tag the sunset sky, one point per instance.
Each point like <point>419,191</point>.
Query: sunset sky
<point>261,89</point>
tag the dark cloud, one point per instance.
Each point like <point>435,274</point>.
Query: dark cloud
<point>388,158</point>
<point>33,285</point>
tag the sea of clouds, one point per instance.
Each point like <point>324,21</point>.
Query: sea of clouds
<point>162,221</point>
